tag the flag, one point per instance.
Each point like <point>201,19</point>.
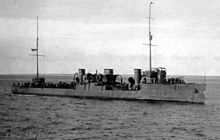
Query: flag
<point>151,37</point>
<point>33,49</point>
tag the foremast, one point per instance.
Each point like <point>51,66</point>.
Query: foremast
<point>37,50</point>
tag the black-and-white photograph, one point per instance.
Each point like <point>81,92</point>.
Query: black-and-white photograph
<point>109,69</point>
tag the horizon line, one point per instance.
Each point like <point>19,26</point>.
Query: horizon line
<point>118,74</point>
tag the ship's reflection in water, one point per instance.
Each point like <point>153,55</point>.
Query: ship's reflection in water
<point>71,118</point>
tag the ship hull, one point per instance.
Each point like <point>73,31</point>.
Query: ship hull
<point>193,93</point>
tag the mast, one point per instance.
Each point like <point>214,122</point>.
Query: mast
<point>150,36</point>
<point>37,50</point>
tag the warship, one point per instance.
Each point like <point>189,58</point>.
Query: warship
<point>149,85</point>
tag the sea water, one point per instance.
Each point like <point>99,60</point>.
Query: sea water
<point>37,117</point>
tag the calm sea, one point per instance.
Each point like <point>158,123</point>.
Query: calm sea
<point>33,117</point>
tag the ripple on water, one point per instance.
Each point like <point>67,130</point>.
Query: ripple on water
<point>70,118</point>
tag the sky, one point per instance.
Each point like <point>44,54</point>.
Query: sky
<point>99,34</point>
